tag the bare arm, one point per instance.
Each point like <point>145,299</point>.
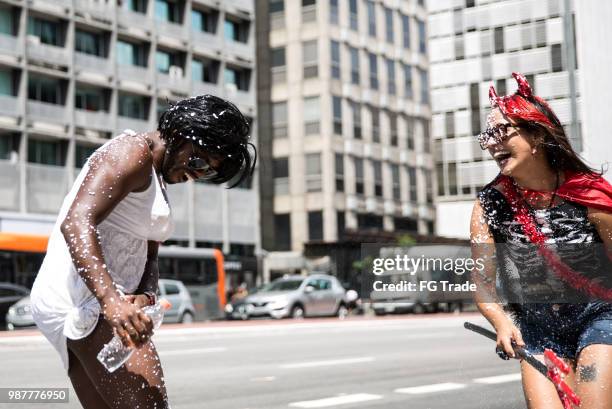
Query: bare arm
<point>483,248</point>
<point>603,223</point>
<point>114,172</point>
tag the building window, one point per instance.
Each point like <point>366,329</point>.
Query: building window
<point>356,110</point>
<point>500,87</point>
<point>424,86</point>
<point>312,115</point>
<point>440,175</point>
<point>405,224</point>
<point>333,11</point>
<point>354,53</point>
<point>280,174</point>
<point>277,6</point>
<point>449,120</point>
<point>204,21</point>
<point>335,59</point>
<point>167,10</point>
<point>540,33</point>
<point>389,25</point>
<point>426,136</point>
<point>237,78</point>
<point>205,70</point>
<point>339,167</point>
<point>393,128</point>
<point>459,47</point>
<point>90,99</point>
<point>410,133</point>
<point>310,59</point>
<point>531,80</point>
<point>475,107</point>
<point>406,31</point>
<point>428,186</point>
<point>165,60</point>
<point>373,70</point>
<point>556,57</point>
<point>278,65</point>
<point>498,39</point>
<point>422,37</point>
<point>46,89</point>
<point>309,11</point>
<point>378,180</point>
<point>131,54</point>
<point>7,21</point>
<point>375,112</point>
<point>369,222</point>
<point>7,82</point>
<point>90,43</point>
<point>371,18</point>
<point>46,152</point>
<point>353,16</point>
<point>395,181</point>
<point>139,6</point>
<point>134,106</point>
<point>469,3</point>
<point>82,153</point>
<point>236,29</point>
<point>279,120</point>
<point>282,232</point>
<point>359,180</point>
<point>412,184</point>
<point>391,88</point>
<point>315,225</point>
<point>49,32</point>
<point>313,172</point>
<point>337,114</point>
<point>452,178</point>
<point>408,81</point>
<point>341,224</point>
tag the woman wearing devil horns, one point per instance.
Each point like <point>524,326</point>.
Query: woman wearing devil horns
<point>544,228</point>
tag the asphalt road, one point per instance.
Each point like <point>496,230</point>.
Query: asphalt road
<point>425,362</point>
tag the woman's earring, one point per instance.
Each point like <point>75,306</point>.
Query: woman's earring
<point>534,151</point>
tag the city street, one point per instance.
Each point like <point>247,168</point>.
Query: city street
<point>424,362</point>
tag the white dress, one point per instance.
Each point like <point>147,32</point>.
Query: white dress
<point>62,305</point>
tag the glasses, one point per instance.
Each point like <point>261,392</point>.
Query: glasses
<point>498,133</point>
<point>200,165</point>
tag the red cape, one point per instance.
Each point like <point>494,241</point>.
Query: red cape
<point>589,190</point>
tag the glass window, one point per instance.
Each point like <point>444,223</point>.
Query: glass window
<point>373,70</point>
<point>310,59</point>
<point>354,52</point>
<point>378,185</point>
<point>412,183</point>
<point>395,180</point>
<point>282,232</point>
<point>130,54</point>
<point>312,115</point>
<point>393,128</point>
<point>6,82</point>
<point>356,109</point>
<point>133,106</point>
<point>406,30</point>
<point>6,21</point>
<point>371,18</point>
<point>162,61</point>
<point>333,11</point>
<point>279,119</point>
<point>49,32</point>
<point>498,36</point>
<point>168,10</point>
<point>89,99</point>
<point>408,81</point>
<point>197,70</point>
<point>236,30</point>
<point>45,89</point>
<point>315,225</point>
<point>339,168</point>
<point>409,133</point>
<point>235,77</point>
<point>389,25</point>
<point>89,43</point>
<point>422,37</point>
<point>277,56</point>
<point>353,17</point>
<point>359,185</point>
<point>424,86</point>
<point>337,114</point>
<point>391,76</point>
<point>277,6</point>
<point>313,172</point>
<point>45,152</point>
<point>82,153</point>
<point>139,6</point>
<point>280,168</point>
<point>375,112</point>
<point>341,224</point>
<point>556,57</point>
<point>335,59</point>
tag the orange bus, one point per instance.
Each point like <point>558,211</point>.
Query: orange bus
<point>200,269</point>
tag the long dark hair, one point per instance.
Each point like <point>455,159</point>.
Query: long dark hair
<point>217,126</point>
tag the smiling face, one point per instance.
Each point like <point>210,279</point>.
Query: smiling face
<point>515,153</point>
<point>175,168</point>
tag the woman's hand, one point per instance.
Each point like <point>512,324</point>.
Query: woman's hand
<point>132,325</point>
<point>508,335</point>
<point>139,300</point>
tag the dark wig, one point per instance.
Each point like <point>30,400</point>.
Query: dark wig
<point>217,126</point>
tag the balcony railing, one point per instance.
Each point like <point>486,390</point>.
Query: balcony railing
<point>134,73</point>
<point>10,45</point>
<point>206,41</point>
<point>171,29</point>
<point>202,88</point>
<point>241,50</point>
<point>93,63</point>
<point>130,18</point>
<point>47,112</point>
<point>134,124</point>
<point>9,185</point>
<point>99,8</point>
<point>9,105</point>
<point>241,97</point>
<point>46,188</point>
<point>172,82</point>
<point>244,5</point>
<point>98,120</point>
<point>48,53</point>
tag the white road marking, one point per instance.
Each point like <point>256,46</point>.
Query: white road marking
<point>335,401</point>
<point>192,351</point>
<point>492,380</point>
<point>437,387</point>
<point>331,362</point>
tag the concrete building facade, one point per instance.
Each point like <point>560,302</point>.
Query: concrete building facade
<point>344,120</point>
<point>75,73</point>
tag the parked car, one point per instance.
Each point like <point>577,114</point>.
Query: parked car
<point>9,295</point>
<point>182,309</point>
<point>20,315</point>
<point>293,296</point>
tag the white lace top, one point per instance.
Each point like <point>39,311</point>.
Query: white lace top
<point>62,305</point>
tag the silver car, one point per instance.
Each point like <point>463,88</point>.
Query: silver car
<point>19,315</point>
<point>294,296</point>
<point>182,309</point>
